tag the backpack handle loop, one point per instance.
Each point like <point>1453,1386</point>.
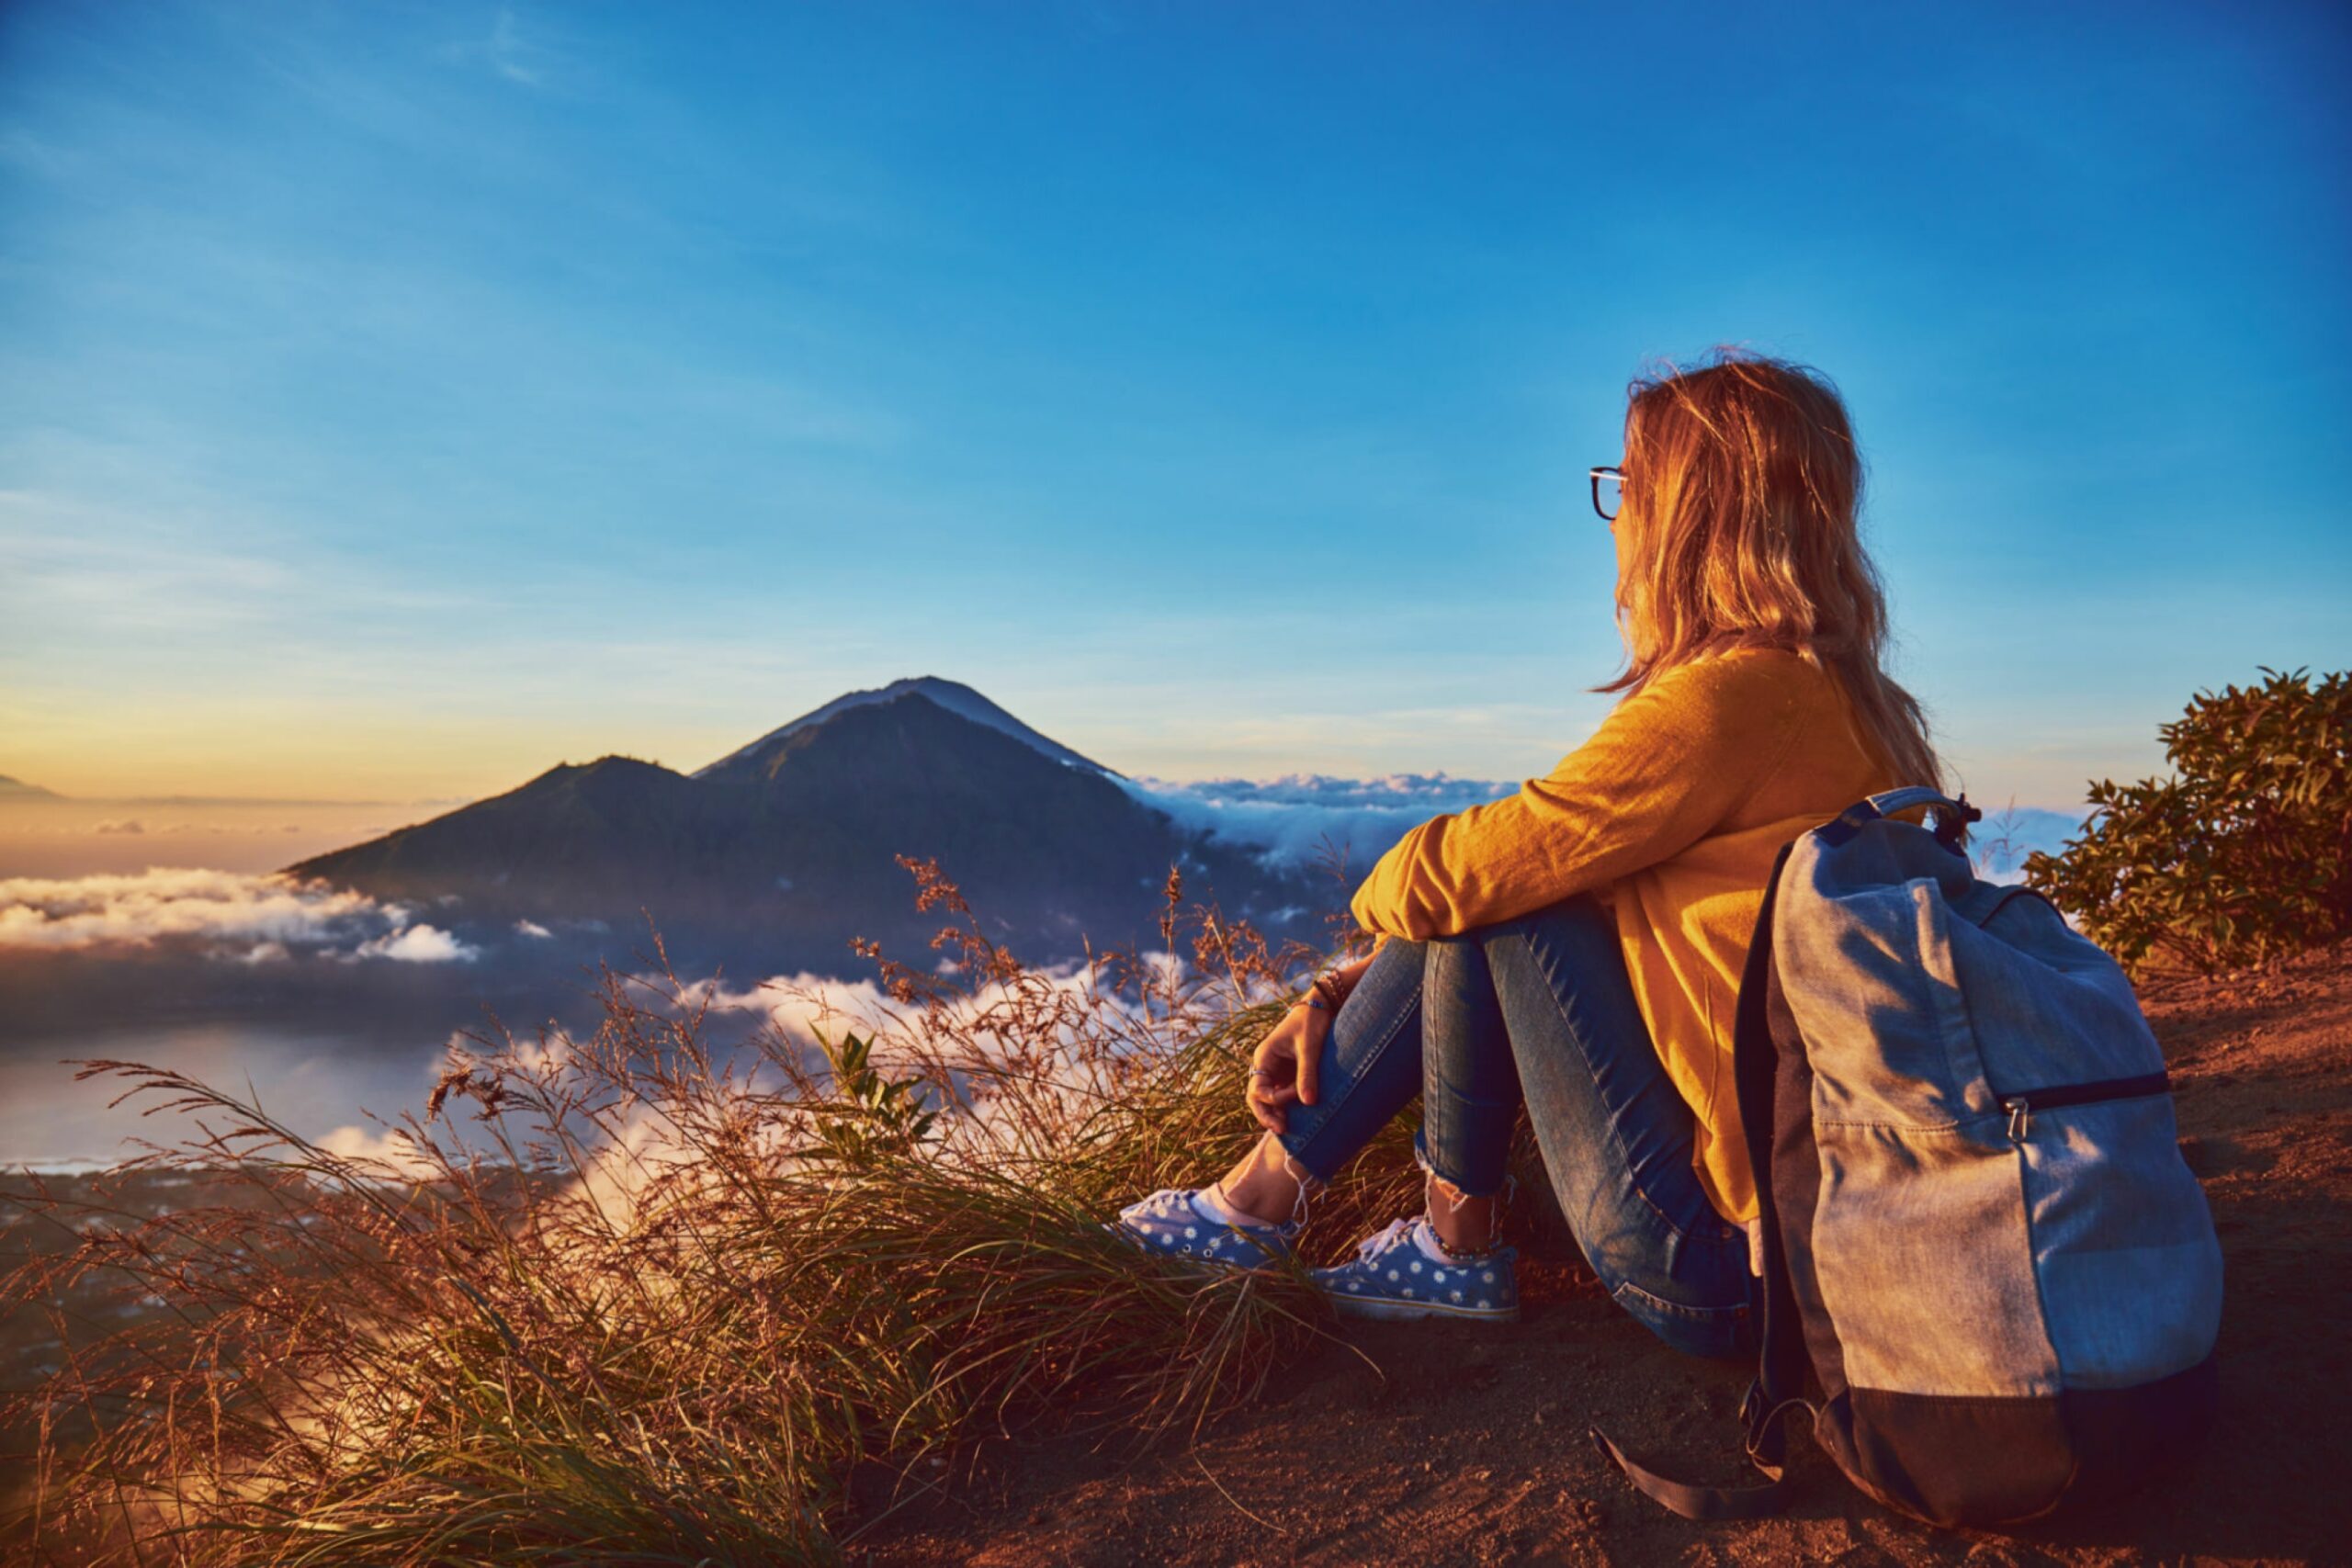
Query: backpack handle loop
<point>1886,803</point>
<point>1951,814</point>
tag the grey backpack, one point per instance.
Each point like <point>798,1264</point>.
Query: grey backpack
<point>1989,1276</point>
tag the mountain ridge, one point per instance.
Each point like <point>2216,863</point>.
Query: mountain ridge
<point>952,695</point>
<point>789,845</point>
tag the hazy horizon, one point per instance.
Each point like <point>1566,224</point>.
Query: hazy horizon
<point>50,833</point>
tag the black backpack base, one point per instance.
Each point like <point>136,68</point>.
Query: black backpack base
<point>2001,1462</point>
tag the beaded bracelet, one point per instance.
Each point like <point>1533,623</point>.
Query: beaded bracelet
<point>1327,985</point>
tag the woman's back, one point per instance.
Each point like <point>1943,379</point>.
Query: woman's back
<point>1686,922</point>
<point>1672,813</point>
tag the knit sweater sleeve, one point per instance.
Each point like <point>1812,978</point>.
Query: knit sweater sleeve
<point>1665,769</point>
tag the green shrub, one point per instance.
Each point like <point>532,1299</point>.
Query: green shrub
<point>2244,855</point>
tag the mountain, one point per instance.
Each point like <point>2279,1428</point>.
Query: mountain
<point>780,853</point>
<point>952,696</point>
<point>16,789</point>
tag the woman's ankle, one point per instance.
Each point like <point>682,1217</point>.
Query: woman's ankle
<point>1440,1250</point>
<point>1266,1186</point>
<point>1464,1227</point>
<point>1211,1200</point>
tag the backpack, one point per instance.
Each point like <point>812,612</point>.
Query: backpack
<point>1981,1245</point>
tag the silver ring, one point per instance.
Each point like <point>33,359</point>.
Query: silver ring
<point>1260,1073</point>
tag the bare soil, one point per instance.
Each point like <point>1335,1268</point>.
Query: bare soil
<point>1452,1444</point>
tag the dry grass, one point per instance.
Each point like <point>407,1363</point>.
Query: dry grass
<point>633,1298</point>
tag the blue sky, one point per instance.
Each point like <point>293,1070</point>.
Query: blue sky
<point>402,398</point>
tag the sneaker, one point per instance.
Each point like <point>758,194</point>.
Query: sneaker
<point>1394,1276</point>
<point>1172,1224</point>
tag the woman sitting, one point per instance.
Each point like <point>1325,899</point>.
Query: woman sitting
<point>1577,947</point>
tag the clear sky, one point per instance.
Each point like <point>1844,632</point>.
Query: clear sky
<point>401,398</point>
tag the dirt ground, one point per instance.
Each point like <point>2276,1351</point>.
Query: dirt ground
<point>1455,1444</point>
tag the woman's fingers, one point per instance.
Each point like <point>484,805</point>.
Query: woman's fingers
<point>1310,1053</point>
<point>1282,1070</point>
<point>1259,1089</point>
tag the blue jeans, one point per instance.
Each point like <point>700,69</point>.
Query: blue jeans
<point>1538,1011</point>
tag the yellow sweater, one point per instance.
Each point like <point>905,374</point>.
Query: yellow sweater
<point>1672,814</point>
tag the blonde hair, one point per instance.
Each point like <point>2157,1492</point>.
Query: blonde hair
<point>1742,488</point>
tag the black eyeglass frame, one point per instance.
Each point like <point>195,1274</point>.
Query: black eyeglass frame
<point>1608,471</point>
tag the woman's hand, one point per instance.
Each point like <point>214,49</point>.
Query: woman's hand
<point>1285,1066</point>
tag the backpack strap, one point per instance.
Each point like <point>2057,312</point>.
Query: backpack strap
<point>1767,1451</point>
<point>1782,1362</point>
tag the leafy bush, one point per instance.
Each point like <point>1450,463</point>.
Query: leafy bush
<point>661,1299</point>
<point>2244,855</point>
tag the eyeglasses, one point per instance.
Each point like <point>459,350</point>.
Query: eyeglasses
<point>1608,492</point>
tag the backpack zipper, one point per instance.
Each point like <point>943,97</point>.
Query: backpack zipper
<point>2021,1107</point>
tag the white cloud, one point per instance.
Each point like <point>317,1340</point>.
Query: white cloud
<point>805,1005</point>
<point>230,914</point>
<point>508,55</point>
<point>801,1005</point>
<point>388,1146</point>
<point>527,62</point>
<point>417,944</point>
<point>39,155</point>
<point>533,929</point>
<point>1289,818</point>
<point>1065,1036</point>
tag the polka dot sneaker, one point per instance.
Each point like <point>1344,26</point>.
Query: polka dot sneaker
<point>1172,1224</point>
<point>1401,1273</point>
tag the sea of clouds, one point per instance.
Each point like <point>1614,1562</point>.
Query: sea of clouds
<point>251,924</point>
<point>1298,821</point>
<point>1299,818</point>
<point>224,914</point>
